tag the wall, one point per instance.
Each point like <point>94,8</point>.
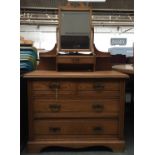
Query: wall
<point>45,36</point>
<point>103,36</point>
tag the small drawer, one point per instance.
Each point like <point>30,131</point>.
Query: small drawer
<point>99,85</point>
<point>53,85</point>
<point>54,94</point>
<point>76,127</point>
<point>99,95</point>
<point>87,60</point>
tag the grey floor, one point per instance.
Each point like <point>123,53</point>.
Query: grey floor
<point>129,137</point>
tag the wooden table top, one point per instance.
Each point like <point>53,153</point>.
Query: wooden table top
<point>55,74</point>
<point>124,68</point>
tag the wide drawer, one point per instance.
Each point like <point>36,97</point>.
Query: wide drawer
<point>75,95</point>
<point>75,60</point>
<point>66,106</point>
<point>81,84</point>
<point>76,127</point>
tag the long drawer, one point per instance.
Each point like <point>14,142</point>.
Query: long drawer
<point>82,106</point>
<point>75,95</point>
<point>76,127</point>
<point>75,60</point>
<point>65,85</point>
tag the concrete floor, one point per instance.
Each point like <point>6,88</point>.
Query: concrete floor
<point>129,137</point>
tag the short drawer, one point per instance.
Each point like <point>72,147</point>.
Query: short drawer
<point>76,127</point>
<point>67,106</point>
<point>53,85</point>
<point>98,85</point>
<point>54,94</point>
<point>102,94</point>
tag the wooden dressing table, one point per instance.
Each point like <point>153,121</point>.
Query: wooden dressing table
<point>75,100</point>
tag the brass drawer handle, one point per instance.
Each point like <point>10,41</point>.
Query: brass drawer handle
<point>55,107</point>
<point>97,107</point>
<point>54,85</point>
<point>98,86</point>
<point>54,130</point>
<point>98,130</point>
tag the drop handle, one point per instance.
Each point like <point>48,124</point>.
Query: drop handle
<point>54,85</point>
<point>98,129</point>
<point>97,107</point>
<point>55,107</point>
<point>54,130</point>
<point>98,86</point>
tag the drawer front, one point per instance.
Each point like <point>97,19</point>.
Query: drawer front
<point>66,106</point>
<point>87,60</point>
<point>75,60</point>
<point>52,85</point>
<point>65,60</point>
<point>84,84</point>
<point>99,85</point>
<point>75,95</point>
<point>76,127</point>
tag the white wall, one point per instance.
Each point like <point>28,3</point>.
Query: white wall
<point>103,35</point>
<point>45,36</point>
